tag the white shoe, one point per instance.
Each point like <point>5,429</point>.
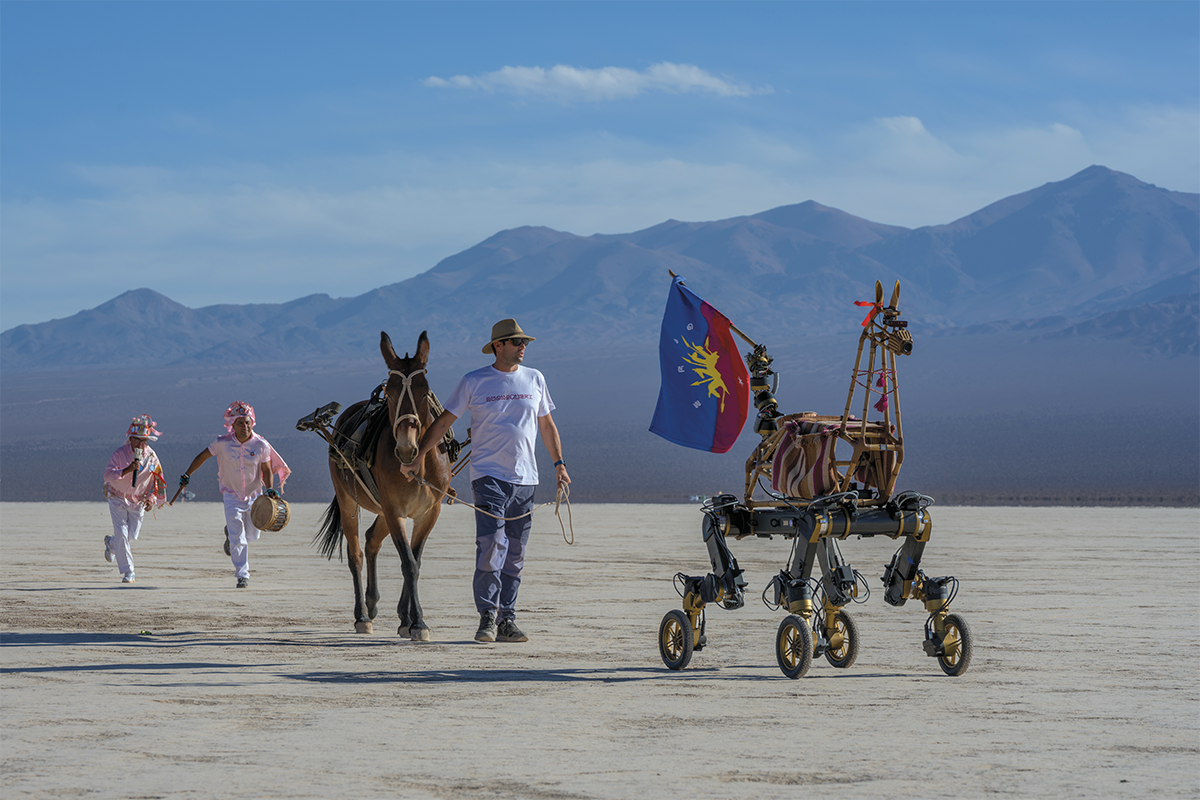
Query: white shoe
<point>127,578</point>
<point>109,555</point>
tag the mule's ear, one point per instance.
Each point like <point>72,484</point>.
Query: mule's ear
<point>895,296</point>
<point>385,347</point>
<point>423,348</point>
<point>878,292</point>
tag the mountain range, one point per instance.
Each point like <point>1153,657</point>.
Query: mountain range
<point>1072,255</point>
<point>1057,335</point>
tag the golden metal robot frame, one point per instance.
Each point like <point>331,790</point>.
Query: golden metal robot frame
<point>818,499</point>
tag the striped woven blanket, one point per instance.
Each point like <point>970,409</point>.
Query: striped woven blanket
<point>804,460</point>
<point>805,463</point>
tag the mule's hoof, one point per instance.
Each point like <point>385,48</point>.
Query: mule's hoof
<point>416,634</point>
<point>362,627</point>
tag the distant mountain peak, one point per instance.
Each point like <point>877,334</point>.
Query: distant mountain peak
<point>1095,171</point>
<point>142,295</point>
<point>829,224</point>
<point>502,248</point>
<point>1093,244</point>
<point>144,304</point>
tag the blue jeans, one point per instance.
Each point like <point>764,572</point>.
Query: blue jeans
<point>499,545</point>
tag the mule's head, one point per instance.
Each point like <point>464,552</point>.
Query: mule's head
<point>407,392</point>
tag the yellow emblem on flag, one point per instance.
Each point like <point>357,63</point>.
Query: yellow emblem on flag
<point>705,361</point>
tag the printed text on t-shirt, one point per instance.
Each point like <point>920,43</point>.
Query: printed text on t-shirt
<point>496,397</point>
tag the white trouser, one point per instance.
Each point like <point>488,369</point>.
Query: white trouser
<point>127,522</point>
<point>241,532</point>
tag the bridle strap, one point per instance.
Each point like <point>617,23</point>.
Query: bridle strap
<point>406,390</point>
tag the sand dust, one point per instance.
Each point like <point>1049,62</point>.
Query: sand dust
<point>1084,681</point>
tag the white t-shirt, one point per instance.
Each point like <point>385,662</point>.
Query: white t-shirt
<point>505,408</point>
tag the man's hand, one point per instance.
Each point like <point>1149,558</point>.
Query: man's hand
<point>433,434</point>
<point>561,476</point>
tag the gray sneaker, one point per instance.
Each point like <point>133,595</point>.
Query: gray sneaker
<point>243,583</point>
<point>226,545</point>
<point>487,627</point>
<point>109,555</point>
<point>127,577</point>
<point>507,631</point>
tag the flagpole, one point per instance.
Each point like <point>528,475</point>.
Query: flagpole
<point>732,327</point>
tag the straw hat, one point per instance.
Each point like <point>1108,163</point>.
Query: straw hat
<point>505,329</point>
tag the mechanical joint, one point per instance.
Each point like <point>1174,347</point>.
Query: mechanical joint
<point>896,591</point>
<point>796,594</point>
<point>842,585</point>
<point>935,592</point>
<point>934,646</point>
<point>693,598</point>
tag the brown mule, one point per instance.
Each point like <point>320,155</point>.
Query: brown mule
<point>409,414</point>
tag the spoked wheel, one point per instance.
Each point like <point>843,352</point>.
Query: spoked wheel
<point>675,639</point>
<point>794,646</point>
<point>843,641</point>
<point>957,644</point>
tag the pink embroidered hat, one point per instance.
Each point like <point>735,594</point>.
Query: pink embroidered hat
<point>238,409</point>
<point>143,428</point>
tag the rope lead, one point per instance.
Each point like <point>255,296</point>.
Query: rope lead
<point>563,495</point>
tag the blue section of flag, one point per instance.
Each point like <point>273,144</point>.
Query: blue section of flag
<point>704,398</point>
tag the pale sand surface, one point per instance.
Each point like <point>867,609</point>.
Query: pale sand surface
<point>1084,681</point>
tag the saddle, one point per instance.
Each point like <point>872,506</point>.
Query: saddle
<point>357,437</point>
<point>353,442</point>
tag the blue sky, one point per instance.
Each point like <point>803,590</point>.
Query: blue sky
<point>259,152</point>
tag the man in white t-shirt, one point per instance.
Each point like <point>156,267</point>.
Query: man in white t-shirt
<point>509,406</point>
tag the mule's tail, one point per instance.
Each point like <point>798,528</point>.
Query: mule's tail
<point>329,536</point>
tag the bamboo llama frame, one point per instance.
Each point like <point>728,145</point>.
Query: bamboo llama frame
<point>876,447</point>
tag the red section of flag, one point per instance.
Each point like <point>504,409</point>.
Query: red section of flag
<point>732,417</point>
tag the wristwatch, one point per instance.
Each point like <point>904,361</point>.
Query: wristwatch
<point>560,461</point>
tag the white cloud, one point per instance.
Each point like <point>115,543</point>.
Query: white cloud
<point>1154,143</point>
<point>567,84</point>
<point>902,144</point>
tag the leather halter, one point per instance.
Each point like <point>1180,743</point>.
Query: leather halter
<point>406,390</point>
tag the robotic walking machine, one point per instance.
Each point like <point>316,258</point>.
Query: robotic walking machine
<point>830,477</point>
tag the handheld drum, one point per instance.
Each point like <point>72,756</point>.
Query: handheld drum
<point>269,513</point>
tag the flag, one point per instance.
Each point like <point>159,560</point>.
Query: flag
<point>705,394</point>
